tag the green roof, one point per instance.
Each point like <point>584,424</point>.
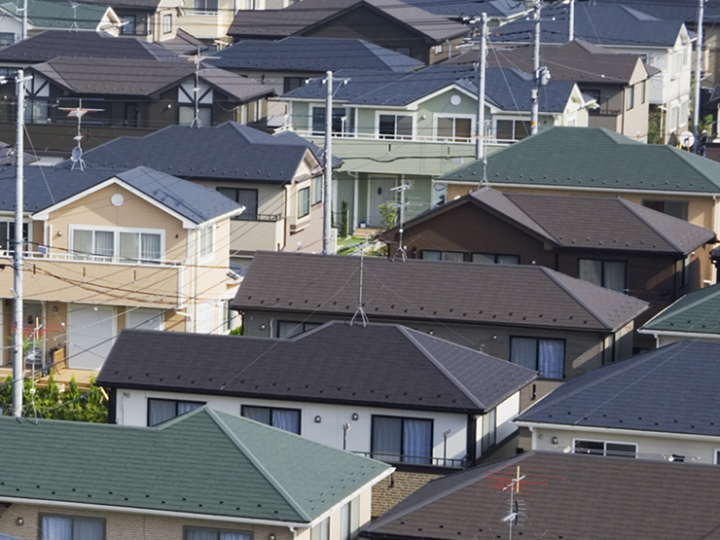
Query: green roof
<point>697,313</point>
<point>59,14</point>
<point>203,462</point>
<point>594,158</point>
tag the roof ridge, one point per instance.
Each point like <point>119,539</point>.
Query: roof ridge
<point>547,233</point>
<point>258,465</point>
<point>552,275</point>
<point>662,316</point>
<point>445,371</point>
<point>660,233</point>
<point>685,157</point>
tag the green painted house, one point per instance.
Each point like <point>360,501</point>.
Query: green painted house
<point>205,475</point>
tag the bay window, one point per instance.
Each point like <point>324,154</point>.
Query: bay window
<point>395,126</point>
<point>546,356</point>
<point>125,245</point>
<point>407,440</point>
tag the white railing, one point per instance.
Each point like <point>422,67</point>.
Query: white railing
<point>73,257</point>
<point>339,136</point>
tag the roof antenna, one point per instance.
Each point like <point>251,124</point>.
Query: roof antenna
<point>32,356</point>
<point>74,26</point>
<point>401,248</point>
<point>78,112</point>
<point>360,311</point>
<point>197,59</point>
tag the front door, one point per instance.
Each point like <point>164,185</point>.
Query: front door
<point>380,193</point>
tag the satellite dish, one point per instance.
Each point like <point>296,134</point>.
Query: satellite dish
<point>687,139</point>
<point>76,158</point>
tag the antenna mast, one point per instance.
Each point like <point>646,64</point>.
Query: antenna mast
<point>401,248</point>
<point>514,487</point>
<point>78,112</point>
<point>360,311</point>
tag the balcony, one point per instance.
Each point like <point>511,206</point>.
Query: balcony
<point>60,277</point>
<point>408,462</point>
<point>260,232</point>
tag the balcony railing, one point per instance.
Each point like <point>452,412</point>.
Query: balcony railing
<point>259,217</point>
<point>604,112</point>
<point>73,257</point>
<point>457,463</point>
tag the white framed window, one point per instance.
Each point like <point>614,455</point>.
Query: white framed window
<point>186,115</point>
<point>195,533</point>
<point>206,240</point>
<point>511,129</point>
<point>7,236</point>
<point>71,528</point>
<point>454,128</point>
<point>604,448</point>
<point>318,187</point>
<point>167,23</point>
<point>113,244</point>
<point>303,202</point>
<point>321,531</point>
<point>395,126</point>
<point>205,7</point>
<point>630,98</point>
<point>343,121</point>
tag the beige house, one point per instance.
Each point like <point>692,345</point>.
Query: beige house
<point>137,249</point>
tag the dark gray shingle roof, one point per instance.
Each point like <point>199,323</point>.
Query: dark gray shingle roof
<point>311,55</point>
<point>569,496</point>
<point>229,151</point>
<point>679,10</point>
<point>508,89</point>
<point>462,9</point>
<point>526,296</point>
<point>671,390</point>
<point>380,365</point>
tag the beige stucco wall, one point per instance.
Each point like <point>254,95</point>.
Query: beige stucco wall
<point>396,487</point>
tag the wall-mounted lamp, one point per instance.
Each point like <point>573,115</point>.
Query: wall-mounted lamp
<point>554,440</point>
<point>263,326</point>
<point>271,536</point>
<point>318,419</point>
<point>355,416</point>
<point>20,521</point>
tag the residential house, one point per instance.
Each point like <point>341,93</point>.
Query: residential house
<point>397,128</point>
<point>660,405</point>
<point>663,44</point>
<point>126,97</point>
<point>598,162</point>
<point>694,316</point>
<point>541,495</point>
<point>109,250</point>
<point>616,82</point>
<point>149,20</point>
<point>180,480</point>
<point>391,24</point>
<point>288,63</point>
<point>531,315</point>
<point>613,243</point>
<point>424,405</point>
<point>44,14</point>
<point>277,178</point>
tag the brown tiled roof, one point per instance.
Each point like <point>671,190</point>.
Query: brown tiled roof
<point>380,365</point>
<point>563,496</point>
<point>302,16</point>
<point>527,296</point>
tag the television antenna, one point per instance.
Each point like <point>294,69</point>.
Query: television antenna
<point>360,312</point>
<point>197,59</point>
<point>78,112</point>
<point>401,248</point>
<point>74,26</point>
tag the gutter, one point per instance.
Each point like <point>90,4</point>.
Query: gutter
<point>692,335</point>
<point>615,431</point>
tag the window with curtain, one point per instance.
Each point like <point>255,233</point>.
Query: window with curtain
<point>244,197</point>
<point>195,533</point>
<point>546,356</point>
<point>608,274</point>
<point>453,129</point>
<point>127,245</point>
<point>162,410</point>
<point>285,419</point>
<point>395,126</point>
<point>513,130</point>
<point>71,528</point>
<point>407,440</point>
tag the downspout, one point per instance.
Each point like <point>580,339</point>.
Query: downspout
<point>293,530</point>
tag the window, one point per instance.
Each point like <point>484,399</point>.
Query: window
<point>127,245</point>
<point>512,130</point>
<point>407,440</point>
<point>205,7</point>
<point>167,23</point>
<point>36,111</point>
<point>6,38</point>
<point>186,115</point>
<point>303,202</point>
<point>349,520</point>
<point>546,356</point>
<point>495,258</point>
<point>289,329</point>
<point>71,528</point>
<point>285,419</point>
<point>192,533</point>
<point>244,197</point>
<point>642,92</point>
<point>395,126</point>
<point>489,430</point>
<point>343,121</point>
<point>206,240</point>
<point>678,209</point>
<point>162,410</point>
<point>604,448</point>
<point>608,274</point>
<point>291,83</point>
<point>448,256</point>
<point>630,98</point>
<point>454,129</point>
<point>7,236</point>
<point>321,531</point>
<point>128,25</point>
<point>685,271</point>
<point>318,186</point>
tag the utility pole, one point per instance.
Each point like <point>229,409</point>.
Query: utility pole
<point>571,12</point>
<point>698,70</point>
<point>536,69</point>
<point>482,67</point>
<point>23,34</point>
<point>18,361</point>
<point>328,249</point>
